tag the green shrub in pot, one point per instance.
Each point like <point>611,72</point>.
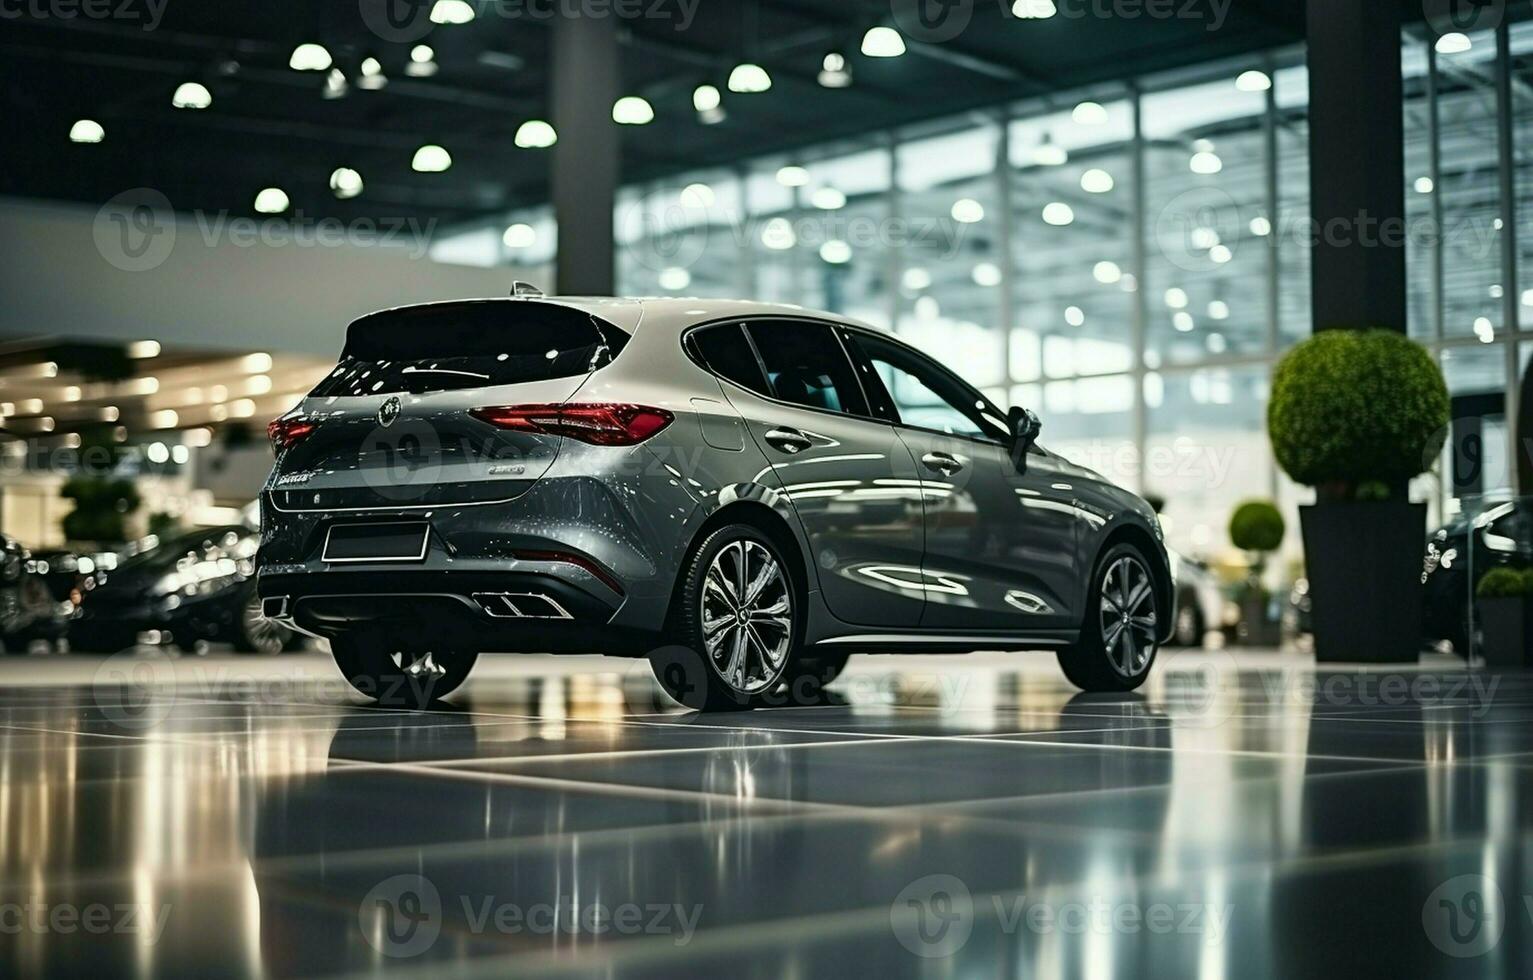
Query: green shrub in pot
<point>1502,599</point>
<point>1357,414</point>
<point>1502,583</point>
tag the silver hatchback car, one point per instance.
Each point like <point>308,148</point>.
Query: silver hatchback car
<point>745,493</point>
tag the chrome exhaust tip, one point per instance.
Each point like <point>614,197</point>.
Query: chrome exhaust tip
<point>520,605</point>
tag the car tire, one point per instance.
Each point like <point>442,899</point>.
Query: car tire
<point>741,651</point>
<point>400,678</point>
<point>811,675</point>
<point>1117,647</point>
<point>1190,626</point>
<point>254,633</point>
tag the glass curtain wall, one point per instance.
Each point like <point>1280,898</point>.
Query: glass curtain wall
<point>1129,261</point>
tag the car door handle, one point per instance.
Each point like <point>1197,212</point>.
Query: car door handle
<point>790,441</point>
<point>944,463</point>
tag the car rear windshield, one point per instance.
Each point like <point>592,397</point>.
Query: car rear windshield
<point>469,345</point>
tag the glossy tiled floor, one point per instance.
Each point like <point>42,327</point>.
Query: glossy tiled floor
<point>1247,816</point>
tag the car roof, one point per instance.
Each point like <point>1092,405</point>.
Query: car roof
<point>663,313</point>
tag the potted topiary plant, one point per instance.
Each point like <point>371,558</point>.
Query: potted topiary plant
<point>1502,600</point>
<point>1257,527</point>
<point>1357,414</point>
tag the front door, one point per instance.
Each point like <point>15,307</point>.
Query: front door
<point>1000,538</point>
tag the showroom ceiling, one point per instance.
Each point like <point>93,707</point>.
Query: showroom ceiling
<point>270,124</point>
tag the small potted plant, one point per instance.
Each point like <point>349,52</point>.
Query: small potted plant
<point>1357,414</point>
<point>1503,598</point>
<point>1257,528</point>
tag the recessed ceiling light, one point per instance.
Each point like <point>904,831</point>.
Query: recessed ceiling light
<point>166,419</point>
<point>422,62</point>
<point>519,235</point>
<point>272,200</point>
<point>1253,81</point>
<point>1203,237</point>
<point>1075,316</point>
<point>916,279</point>
<point>86,131</point>
<point>310,57</point>
<point>748,78</point>
<point>345,183</point>
<point>778,235</point>
<point>1089,114</point>
<point>1096,181</point>
<point>706,98</point>
<point>431,159</point>
<point>451,12</point>
<point>535,134</point>
<point>192,95</point>
<point>833,71</point>
<point>1220,254</point>
<point>1261,227</point>
<point>1206,162</point>
<point>1034,9</point>
<point>793,176</point>
<point>1050,154</point>
<point>1176,298</point>
<point>987,274</point>
<point>675,278</point>
<point>144,349</point>
<point>631,110</point>
<point>1058,213</point>
<point>1454,43</point>
<point>836,252</point>
<point>697,196</point>
<point>1183,322</point>
<point>883,42</point>
<point>1424,185</point>
<point>1107,273</point>
<point>968,211</point>
<point>828,199</point>
<point>1218,310</point>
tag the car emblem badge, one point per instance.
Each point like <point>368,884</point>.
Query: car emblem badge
<point>388,412</point>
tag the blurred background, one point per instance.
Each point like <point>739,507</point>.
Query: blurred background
<point>1102,217</point>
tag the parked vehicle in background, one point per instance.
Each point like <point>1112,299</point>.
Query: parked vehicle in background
<point>194,587</point>
<point>1470,545</point>
<point>1200,601</point>
<point>28,611</point>
<point>765,488</point>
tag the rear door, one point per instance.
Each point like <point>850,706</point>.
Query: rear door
<point>851,481</point>
<point>391,425</point>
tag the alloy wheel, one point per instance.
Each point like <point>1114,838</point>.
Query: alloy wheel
<point>1128,619</point>
<point>747,616</point>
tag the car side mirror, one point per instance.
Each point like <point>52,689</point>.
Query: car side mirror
<point>1025,427</point>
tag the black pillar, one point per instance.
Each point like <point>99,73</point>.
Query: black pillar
<point>586,158</point>
<point>1357,163</point>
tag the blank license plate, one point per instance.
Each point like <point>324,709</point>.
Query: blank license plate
<point>376,542</point>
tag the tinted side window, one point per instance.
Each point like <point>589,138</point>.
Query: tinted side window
<point>930,398</point>
<point>727,353</point>
<point>806,366</point>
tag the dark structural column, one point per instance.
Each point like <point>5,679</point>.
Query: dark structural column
<point>1357,163</point>
<point>586,158</point>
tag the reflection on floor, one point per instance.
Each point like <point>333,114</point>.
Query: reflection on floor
<point>1247,816</point>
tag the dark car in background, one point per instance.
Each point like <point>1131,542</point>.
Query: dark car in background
<point>1459,555</point>
<point>187,589</point>
<point>28,611</point>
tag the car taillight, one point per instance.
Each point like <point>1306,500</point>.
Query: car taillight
<point>285,432</point>
<point>598,423</point>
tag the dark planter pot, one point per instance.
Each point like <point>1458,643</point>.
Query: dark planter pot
<point>1504,625</point>
<point>1257,629</point>
<point>1364,566</point>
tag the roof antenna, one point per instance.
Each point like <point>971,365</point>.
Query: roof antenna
<point>520,288</point>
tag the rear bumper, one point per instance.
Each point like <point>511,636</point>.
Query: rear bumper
<point>508,612</point>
